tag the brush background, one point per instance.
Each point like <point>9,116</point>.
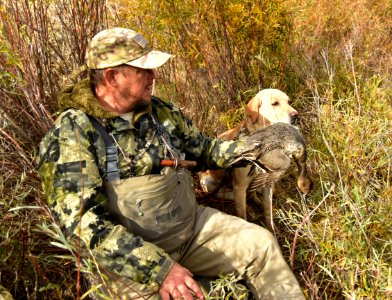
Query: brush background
<point>332,57</point>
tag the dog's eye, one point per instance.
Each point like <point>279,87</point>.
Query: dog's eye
<point>275,103</point>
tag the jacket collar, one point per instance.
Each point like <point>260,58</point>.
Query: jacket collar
<point>81,97</point>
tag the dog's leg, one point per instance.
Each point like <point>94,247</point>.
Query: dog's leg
<point>266,203</point>
<point>240,184</point>
<point>263,198</point>
<point>267,207</point>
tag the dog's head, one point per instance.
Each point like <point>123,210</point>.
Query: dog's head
<point>269,106</point>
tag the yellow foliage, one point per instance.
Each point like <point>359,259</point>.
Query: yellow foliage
<point>216,44</point>
<point>332,57</point>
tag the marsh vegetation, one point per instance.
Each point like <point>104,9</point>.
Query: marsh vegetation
<point>333,58</point>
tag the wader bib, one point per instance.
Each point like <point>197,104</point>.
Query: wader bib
<point>160,208</point>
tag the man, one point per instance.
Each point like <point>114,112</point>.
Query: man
<point>138,217</point>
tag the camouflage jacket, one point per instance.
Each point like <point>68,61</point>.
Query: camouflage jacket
<point>72,164</point>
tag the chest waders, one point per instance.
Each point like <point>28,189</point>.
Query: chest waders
<point>160,208</point>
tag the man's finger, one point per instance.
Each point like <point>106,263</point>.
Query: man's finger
<point>194,287</point>
<point>164,295</point>
<point>185,292</point>
<point>176,294</point>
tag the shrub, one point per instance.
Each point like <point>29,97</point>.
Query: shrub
<point>332,57</point>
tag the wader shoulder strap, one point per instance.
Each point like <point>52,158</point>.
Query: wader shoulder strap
<point>112,170</point>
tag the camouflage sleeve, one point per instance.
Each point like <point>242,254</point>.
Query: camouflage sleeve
<point>210,153</point>
<point>72,183</point>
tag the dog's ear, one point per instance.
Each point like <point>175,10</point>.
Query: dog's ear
<point>252,109</point>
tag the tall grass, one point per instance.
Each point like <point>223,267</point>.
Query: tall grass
<point>41,42</point>
<point>332,57</point>
<point>344,231</point>
<point>225,50</point>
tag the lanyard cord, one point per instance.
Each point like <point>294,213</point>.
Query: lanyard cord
<point>132,163</point>
<point>164,139</point>
<point>111,144</point>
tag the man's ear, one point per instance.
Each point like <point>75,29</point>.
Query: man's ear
<point>109,76</point>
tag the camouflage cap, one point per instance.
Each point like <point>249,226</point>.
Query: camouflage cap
<point>116,46</point>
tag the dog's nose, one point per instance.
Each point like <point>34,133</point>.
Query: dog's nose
<point>294,117</point>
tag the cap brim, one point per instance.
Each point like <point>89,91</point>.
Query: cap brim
<point>151,60</point>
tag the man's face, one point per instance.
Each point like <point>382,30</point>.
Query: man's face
<point>135,88</point>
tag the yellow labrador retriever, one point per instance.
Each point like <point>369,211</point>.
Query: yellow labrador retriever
<point>268,107</point>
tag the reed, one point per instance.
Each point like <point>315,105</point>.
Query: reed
<point>332,57</point>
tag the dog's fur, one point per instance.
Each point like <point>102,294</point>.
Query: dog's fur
<point>268,107</point>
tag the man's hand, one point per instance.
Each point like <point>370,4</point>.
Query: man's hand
<point>178,284</point>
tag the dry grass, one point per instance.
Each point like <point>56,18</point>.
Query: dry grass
<point>40,44</point>
<point>332,57</point>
